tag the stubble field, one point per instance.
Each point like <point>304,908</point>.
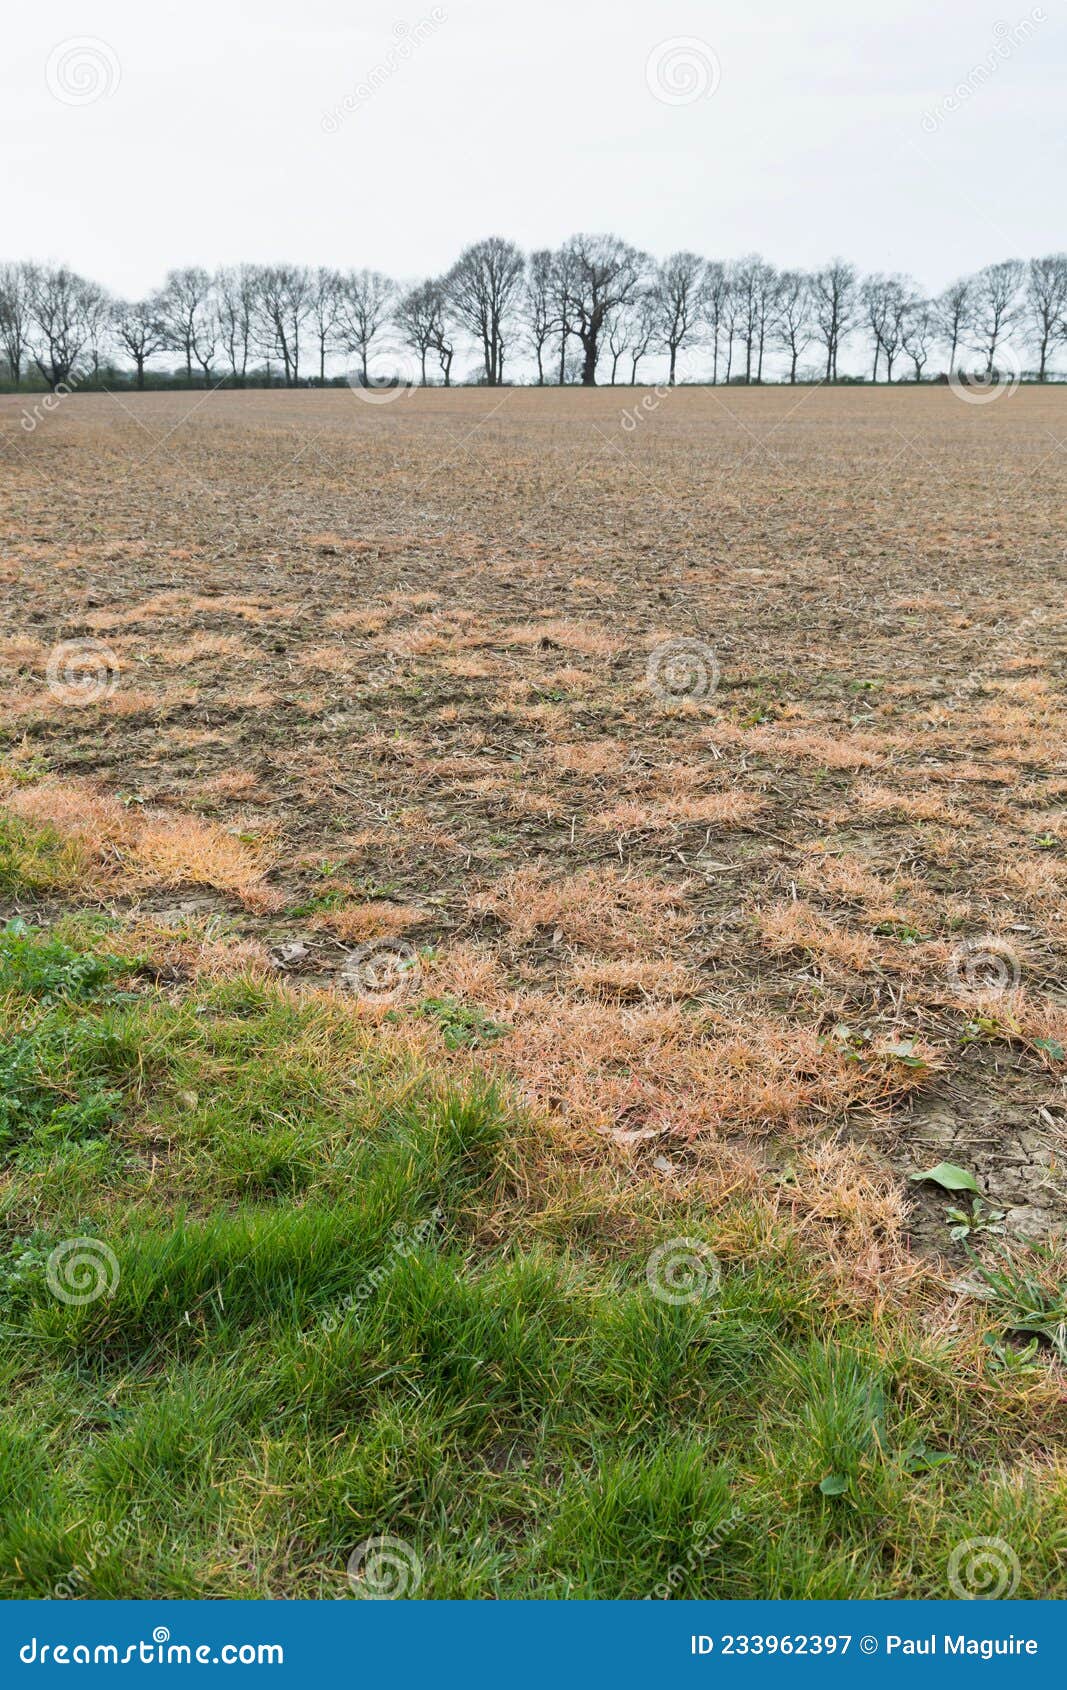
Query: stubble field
<point>684,767</point>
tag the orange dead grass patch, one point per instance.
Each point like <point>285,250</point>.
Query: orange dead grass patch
<point>132,849</point>
<point>584,637</point>
<point>374,920</point>
<point>797,926</point>
<point>712,809</point>
<point>914,806</point>
<point>598,908</point>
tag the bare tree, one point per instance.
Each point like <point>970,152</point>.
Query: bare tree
<point>443,337</point>
<point>715,294</point>
<point>236,300</point>
<point>540,305</point>
<point>484,287</point>
<point>283,300</point>
<point>995,306</point>
<point>139,330</point>
<point>834,299</point>
<point>564,285</point>
<point>791,325</point>
<point>601,273</point>
<point>677,295</point>
<point>420,319</point>
<point>1046,304</point>
<point>15,280</point>
<point>324,301</point>
<point>754,284</point>
<point>645,331</point>
<point>886,302</point>
<point>921,330</point>
<point>99,315</point>
<point>60,305</point>
<point>364,303</point>
<point>747,287</point>
<point>617,334</point>
<point>187,310</point>
<point>953,311</point>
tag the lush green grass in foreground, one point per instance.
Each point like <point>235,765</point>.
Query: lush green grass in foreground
<point>336,1306</point>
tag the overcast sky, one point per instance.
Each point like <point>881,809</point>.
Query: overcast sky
<point>214,131</point>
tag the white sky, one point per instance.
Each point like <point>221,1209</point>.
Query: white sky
<point>533,121</point>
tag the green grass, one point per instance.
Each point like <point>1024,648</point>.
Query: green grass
<point>36,860</point>
<point>342,1310</point>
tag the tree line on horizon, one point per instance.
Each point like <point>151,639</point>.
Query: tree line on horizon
<point>594,305</point>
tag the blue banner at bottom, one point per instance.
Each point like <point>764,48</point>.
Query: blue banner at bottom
<point>519,1644</point>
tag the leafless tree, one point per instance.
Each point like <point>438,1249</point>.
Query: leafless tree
<point>754,284</point>
<point>420,319</point>
<point>617,334</point>
<point>995,307</point>
<point>1045,304</point>
<point>99,316</point>
<point>236,303</point>
<point>564,285</point>
<point>444,343</point>
<point>138,329</point>
<point>540,304</point>
<point>953,312</point>
<point>484,286</point>
<point>187,309</point>
<point>733,314</point>
<point>834,299</point>
<point>791,325</point>
<point>714,298</point>
<point>364,305</point>
<point>601,274</point>
<point>15,282</point>
<point>324,301</point>
<point>60,308</point>
<point>283,301</point>
<point>886,303</point>
<point>921,330</point>
<point>646,330</point>
<point>677,294</point>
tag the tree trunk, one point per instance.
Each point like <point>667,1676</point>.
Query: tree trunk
<point>674,354</point>
<point>140,369</point>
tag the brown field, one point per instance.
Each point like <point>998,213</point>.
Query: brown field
<point>381,673</point>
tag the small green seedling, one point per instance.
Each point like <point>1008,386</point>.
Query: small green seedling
<point>980,1219</point>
